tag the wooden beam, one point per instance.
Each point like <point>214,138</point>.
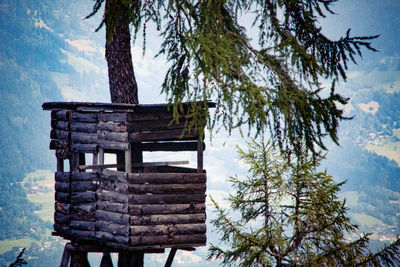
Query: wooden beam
<point>171,256</point>
<point>170,146</point>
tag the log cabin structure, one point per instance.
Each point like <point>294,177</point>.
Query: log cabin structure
<point>129,205</point>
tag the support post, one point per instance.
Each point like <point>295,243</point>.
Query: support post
<point>199,155</point>
<point>128,160</point>
<point>101,156</point>
<point>170,258</point>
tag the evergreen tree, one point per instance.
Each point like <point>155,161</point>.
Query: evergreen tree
<point>290,215</point>
<point>271,82</point>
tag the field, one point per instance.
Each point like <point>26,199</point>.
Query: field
<point>387,148</point>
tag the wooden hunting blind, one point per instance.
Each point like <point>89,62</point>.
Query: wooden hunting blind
<point>129,205</point>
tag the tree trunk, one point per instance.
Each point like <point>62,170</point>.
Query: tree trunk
<point>122,82</point>
<point>123,87</point>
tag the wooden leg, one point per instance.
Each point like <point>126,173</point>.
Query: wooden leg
<point>65,257</point>
<point>106,260</point>
<point>171,257</point>
<point>79,259</point>
<point>130,259</point>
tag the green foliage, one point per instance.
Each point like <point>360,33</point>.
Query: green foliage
<point>289,213</point>
<point>273,82</point>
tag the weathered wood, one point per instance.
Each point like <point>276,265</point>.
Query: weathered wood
<point>84,176</point>
<point>62,197</point>
<point>166,178</point>
<point>114,186</point>
<point>167,239</point>
<point>60,164</point>
<point>113,176</point>
<point>59,134</point>
<point>79,259</point>
<point>113,228</point>
<point>99,167</point>
<point>113,117</point>
<point>82,225</point>
<point>64,115</point>
<point>65,257</point>
<point>170,146</point>
<point>167,188</point>
<point>135,259</point>
<point>107,144</point>
<point>170,258</point>
<point>113,136</point>
<point>62,207</point>
<point>165,123</point>
<point>106,260</point>
<point>62,177</point>
<point>61,187</point>
<point>113,206</point>
<point>167,199</point>
<point>112,126</point>
<point>81,215</point>
<point>58,144</point>
<point>84,186</point>
<point>168,219</point>
<point>200,156</point>
<point>84,127</point>
<point>60,125</point>
<point>84,148</point>
<point>83,197</point>
<point>84,138</point>
<point>166,135</point>
<point>114,217</point>
<point>161,163</point>
<point>152,209</point>
<point>101,156</point>
<point>82,234</point>
<point>112,196</point>
<point>86,207</point>
<point>169,229</point>
<point>84,117</point>
<point>61,217</point>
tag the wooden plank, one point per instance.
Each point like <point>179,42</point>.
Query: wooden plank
<point>61,187</point>
<point>84,117</point>
<point>84,148</point>
<point>84,176</point>
<point>152,209</point>
<point>100,235</point>
<point>163,123</point>
<point>82,215</point>
<point>113,176</point>
<point>101,156</point>
<point>64,115</point>
<point>86,207</point>
<point>128,160</point>
<point>112,196</point>
<point>114,217</point>
<point>113,206</point>
<point>84,138</point>
<point>98,167</point>
<point>170,146</point>
<point>162,136</point>
<point>112,126</point>
<point>84,127</point>
<point>82,225</point>
<point>62,177</point>
<point>161,163</point>
<point>166,239</point>
<point>59,134</point>
<point>62,197</point>
<point>113,117</point>
<point>112,136</point>
<point>169,229</point>
<point>84,186</point>
<point>113,228</point>
<point>166,178</point>
<point>160,219</point>
<point>167,199</point>
<point>83,197</point>
<point>107,144</point>
<point>114,186</point>
<point>167,188</point>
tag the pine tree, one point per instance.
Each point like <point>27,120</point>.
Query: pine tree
<point>271,82</point>
<point>289,215</point>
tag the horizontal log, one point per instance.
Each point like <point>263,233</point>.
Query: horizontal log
<point>171,146</point>
<point>60,229</point>
<point>61,217</point>
<point>62,207</point>
<point>114,186</point>
<point>105,236</point>
<point>84,117</point>
<point>61,177</point>
<point>167,239</point>
<point>84,148</point>
<point>113,217</point>
<point>166,178</point>
<point>82,225</point>
<point>84,176</point>
<point>58,144</point>
<point>60,125</point>
<point>63,153</point>
<point>112,136</point>
<point>81,215</point>
<point>167,188</point>
<point>83,197</point>
<point>112,126</point>
<point>160,219</point>
<point>167,199</point>
<point>113,206</point>
<point>89,109</point>
<point>175,134</point>
<point>61,187</point>
<point>113,117</point>
<point>84,127</point>
<point>62,197</point>
<point>59,134</point>
<point>112,196</point>
<point>98,166</point>
<point>178,229</point>
<point>155,125</point>
<point>64,115</point>
<point>117,176</point>
<point>152,209</point>
<point>84,186</point>
<point>81,234</point>
<point>84,138</point>
<point>107,144</point>
<point>86,207</point>
<point>113,228</point>
<point>161,163</point>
